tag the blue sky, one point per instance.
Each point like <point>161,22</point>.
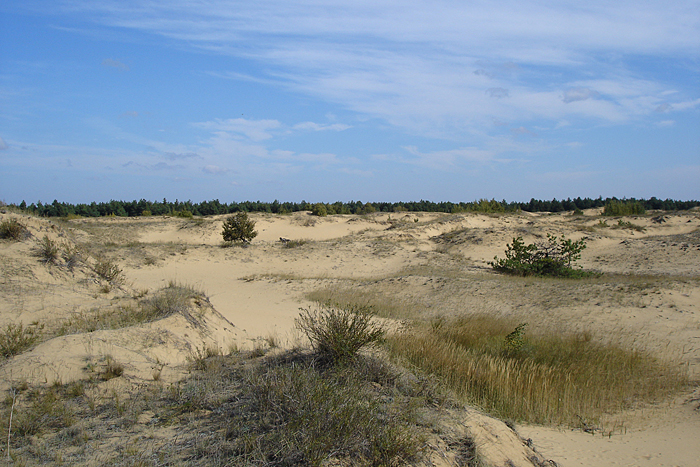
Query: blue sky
<point>362,100</point>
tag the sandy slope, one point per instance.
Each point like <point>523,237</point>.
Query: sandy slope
<point>255,293</point>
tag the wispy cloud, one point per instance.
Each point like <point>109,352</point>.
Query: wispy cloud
<point>112,63</point>
<point>433,69</point>
<point>3,144</point>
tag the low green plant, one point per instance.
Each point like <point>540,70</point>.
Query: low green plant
<point>184,213</point>
<point>629,225</point>
<point>239,228</point>
<point>552,258</point>
<point>12,229</point>
<point>15,339</point>
<point>338,333</point>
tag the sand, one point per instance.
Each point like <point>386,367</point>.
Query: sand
<point>254,294</point>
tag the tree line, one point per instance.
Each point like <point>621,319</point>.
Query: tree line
<point>612,206</point>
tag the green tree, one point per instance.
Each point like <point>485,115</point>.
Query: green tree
<point>239,228</point>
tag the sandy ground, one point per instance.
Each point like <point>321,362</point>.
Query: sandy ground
<point>254,294</point>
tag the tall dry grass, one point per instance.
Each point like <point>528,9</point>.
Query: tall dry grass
<point>552,378</point>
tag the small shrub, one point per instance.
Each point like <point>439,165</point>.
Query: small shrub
<point>554,258</point>
<point>629,225</point>
<point>47,250</point>
<point>12,229</point>
<point>185,213</point>
<point>239,228</point>
<point>338,333</point>
<point>108,270</point>
<point>15,339</point>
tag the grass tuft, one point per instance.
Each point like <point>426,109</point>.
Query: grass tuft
<point>338,333</point>
<point>12,229</point>
<point>15,339</point>
<point>108,270</point>
<point>47,250</point>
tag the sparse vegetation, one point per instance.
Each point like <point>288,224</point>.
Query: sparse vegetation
<point>108,270</point>
<point>545,378</point>
<point>338,333</point>
<point>553,258</point>
<point>239,228</point>
<point>16,338</point>
<point>47,250</point>
<point>175,298</point>
<point>629,225</point>
<point>294,243</point>
<point>12,229</point>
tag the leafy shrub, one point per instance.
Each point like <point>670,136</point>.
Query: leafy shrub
<point>12,229</point>
<point>553,258</point>
<point>15,339</point>
<point>239,228</point>
<point>47,250</point>
<point>185,213</point>
<point>338,333</point>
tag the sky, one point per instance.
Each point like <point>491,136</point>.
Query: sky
<point>348,100</point>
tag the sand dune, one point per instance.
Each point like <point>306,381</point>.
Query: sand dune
<point>253,293</point>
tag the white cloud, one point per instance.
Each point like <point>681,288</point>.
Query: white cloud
<point>215,170</point>
<point>255,130</point>
<point>579,94</point>
<point>3,144</point>
<point>321,127</point>
<point>666,123</point>
<point>426,67</point>
<point>111,63</point>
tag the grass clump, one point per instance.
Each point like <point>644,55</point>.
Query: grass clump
<point>12,229</point>
<point>544,378</point>
<point>15,339</point>
<point>338,333</point>
<point>553,258</point>
<point>47,250</point>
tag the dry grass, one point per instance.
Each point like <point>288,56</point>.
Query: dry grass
<point>170,300</point>
<point>548,378</point>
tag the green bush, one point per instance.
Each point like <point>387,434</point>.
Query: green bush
<point>319,209</point>
<point>623,208</point>
<point>553,258</point>
<point>239,228</point>
<point>338,333</point>
<point>12,229</point>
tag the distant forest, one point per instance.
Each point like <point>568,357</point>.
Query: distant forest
<point>612,206</point>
